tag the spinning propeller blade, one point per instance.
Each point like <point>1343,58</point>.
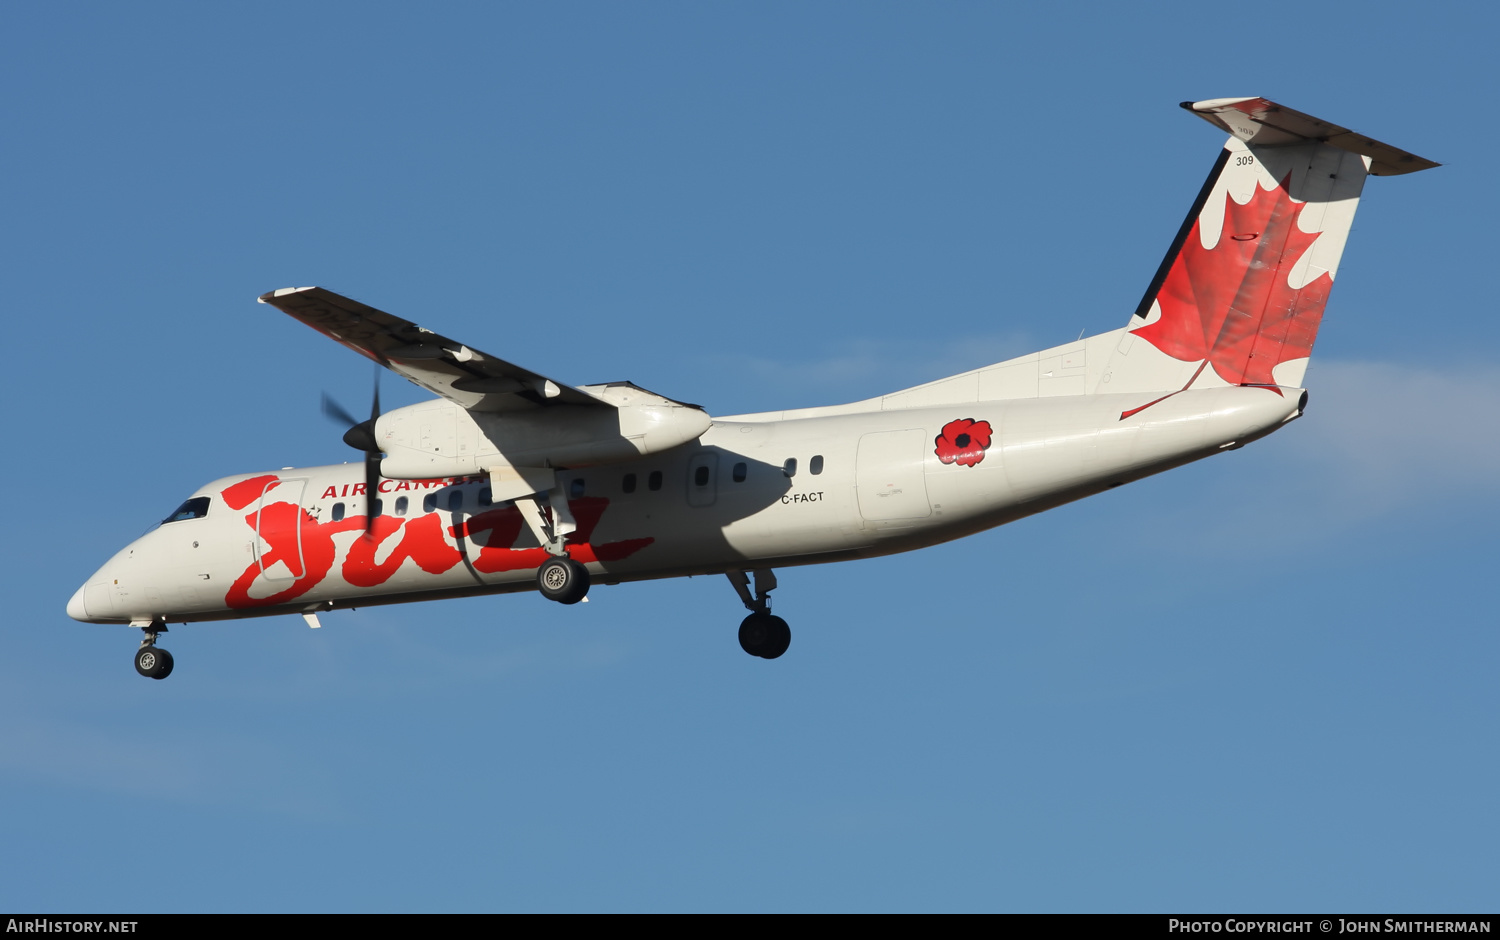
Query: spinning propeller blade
<point>361,436</point>
<point>336,412</point>
<point>372,458</point>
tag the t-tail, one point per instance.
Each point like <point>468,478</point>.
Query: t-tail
<point>1240,295</point>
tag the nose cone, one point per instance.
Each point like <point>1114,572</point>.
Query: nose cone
<point>76,610</point>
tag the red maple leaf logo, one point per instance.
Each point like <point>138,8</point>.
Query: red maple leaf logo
<point>1230,305</point>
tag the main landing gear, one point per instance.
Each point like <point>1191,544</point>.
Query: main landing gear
<point>560,578</point>
<point>762,633</point>
<point>563,580</point>
<point>150,661</point>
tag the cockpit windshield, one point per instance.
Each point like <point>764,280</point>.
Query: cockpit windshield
<point>195,508</point>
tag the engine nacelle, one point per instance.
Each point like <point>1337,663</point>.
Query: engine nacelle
<point>440,439</point>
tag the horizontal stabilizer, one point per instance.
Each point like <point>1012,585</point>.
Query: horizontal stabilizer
<point>1267,124</point>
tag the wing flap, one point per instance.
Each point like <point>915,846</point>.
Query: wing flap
<point>471,379</point>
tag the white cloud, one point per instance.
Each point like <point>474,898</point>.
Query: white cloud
<point>1387,435</point>
<point>1381,444</point>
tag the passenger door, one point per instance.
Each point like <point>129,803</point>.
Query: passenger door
<point>278,530</point>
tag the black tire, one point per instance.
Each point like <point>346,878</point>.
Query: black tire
<point>563,580</point>
<point>765,635</point>
<point>753,633</point>
<point>779,640</point>
<point>153,663</point>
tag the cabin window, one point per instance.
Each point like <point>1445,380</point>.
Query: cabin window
<point>401,504</point>
<point>376,508</point>
<point>815,465</point>
<point>653,482</point>
<point>741,469</point>
<point>575,488</point>
<point>195,508</point>
<point>429,502</point>
<point>456,501</point>
<point>338,512</point>
<point>486,496</point>
<point>700,476</point>
<point>790,467</point>
<point>628,484</point>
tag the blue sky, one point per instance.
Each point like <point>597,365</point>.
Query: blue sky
<point>1264,682</point>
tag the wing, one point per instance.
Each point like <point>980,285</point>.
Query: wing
<point>471,379</point>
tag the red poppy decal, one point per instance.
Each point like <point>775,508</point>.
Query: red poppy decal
<point>963,442</point>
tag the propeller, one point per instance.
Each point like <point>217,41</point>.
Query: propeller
<point>361,436</point>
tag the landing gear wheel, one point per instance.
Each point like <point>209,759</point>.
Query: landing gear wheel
<point>153,663</point>
<point>765,635</point>
<point>563,580</point>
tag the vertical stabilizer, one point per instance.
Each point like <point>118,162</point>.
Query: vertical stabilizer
<point>1240,295</point>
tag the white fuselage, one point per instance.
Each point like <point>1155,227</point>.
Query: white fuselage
<point>865,483</point>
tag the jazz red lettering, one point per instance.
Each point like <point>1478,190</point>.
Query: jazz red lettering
<point>279,525</point>
<point>421,540</point>
<point>306,549</point>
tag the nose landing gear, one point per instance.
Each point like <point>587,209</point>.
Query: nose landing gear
<point>150,661</point>
<point>762,633</point>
